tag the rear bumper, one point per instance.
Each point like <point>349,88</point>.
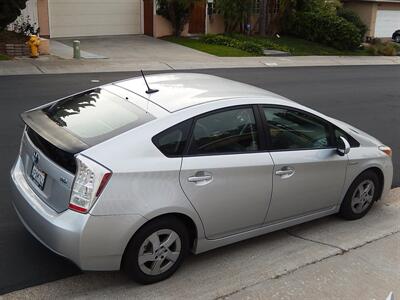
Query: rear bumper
<point>91,242</point>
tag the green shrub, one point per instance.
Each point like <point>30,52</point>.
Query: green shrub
<point>247,46</point>
<point>353,18</point>
<point>327,29</point>
<point>372,50</point>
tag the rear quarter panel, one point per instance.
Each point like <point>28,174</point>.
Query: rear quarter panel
<point>144,181</point>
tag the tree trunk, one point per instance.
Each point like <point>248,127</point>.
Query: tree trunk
<point>267,16</point>
<point>263,17</point>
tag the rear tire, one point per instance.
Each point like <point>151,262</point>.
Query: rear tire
<point>360,197</point>
<point>397,38</point>
<point>156,250</point>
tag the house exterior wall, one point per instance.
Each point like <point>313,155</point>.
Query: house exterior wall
<point>389,6</point>
<point>43,17</point>
<point>367,11</point>
<point>162,27</point>
<point>215,24</point>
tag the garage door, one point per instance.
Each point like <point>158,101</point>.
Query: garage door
<point>387,22</point>
<point>70,18</point>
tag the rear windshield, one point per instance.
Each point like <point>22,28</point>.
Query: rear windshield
<point>97,115</point>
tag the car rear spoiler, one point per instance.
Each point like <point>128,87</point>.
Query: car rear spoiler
<point>58,136</point>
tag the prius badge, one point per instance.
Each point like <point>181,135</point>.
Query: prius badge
<point>35,157</point>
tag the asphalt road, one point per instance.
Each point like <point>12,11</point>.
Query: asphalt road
<point>367,97</point>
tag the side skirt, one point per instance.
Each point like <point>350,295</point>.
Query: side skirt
<point>204,245</point>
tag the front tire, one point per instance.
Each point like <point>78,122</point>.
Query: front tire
<point>360,197</point>
<point>397,38</point>
<point>157,250</point>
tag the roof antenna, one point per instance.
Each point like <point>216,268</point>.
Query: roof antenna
<point>149,90</point>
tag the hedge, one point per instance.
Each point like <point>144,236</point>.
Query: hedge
<point>328,29</point>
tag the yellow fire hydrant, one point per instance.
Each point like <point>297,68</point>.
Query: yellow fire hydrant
<point>34,43</point>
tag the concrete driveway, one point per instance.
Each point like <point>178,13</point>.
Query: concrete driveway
<point>138,47</point>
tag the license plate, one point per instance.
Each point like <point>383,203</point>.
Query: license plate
<point>38,177</point>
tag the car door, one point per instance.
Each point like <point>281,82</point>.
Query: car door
<point>308,173</point>
<point>224,175</point>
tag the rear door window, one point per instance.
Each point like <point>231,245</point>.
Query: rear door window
<point>225,132</point>
<point>97,115</point>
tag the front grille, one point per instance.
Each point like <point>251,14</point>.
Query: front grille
<point>62,158</point>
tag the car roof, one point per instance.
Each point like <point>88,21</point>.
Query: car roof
<point>178,91</point>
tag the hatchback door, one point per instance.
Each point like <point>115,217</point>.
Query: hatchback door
<point>226,179</point>
<point>308,173</point>
<point>56,133</point>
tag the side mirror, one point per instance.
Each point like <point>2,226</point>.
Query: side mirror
<point>343,146</point>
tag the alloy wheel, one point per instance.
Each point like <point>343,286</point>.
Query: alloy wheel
<point>363,196</point>
<point>159,252</point>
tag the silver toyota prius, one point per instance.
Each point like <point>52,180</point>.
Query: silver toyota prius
<point>137,174</point>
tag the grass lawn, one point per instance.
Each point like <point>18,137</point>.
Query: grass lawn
<point>303,47</point>
<point>4,57</point>
<point>297,46</point>
<point>216,50</point>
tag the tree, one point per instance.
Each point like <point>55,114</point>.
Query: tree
<point>9,11</point>
<point>176,11</point>
<point>236,13</point>
<point>263,17</point>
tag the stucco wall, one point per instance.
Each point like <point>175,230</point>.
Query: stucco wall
<point>162,27</point>
<point>366,11</point>
<point>215,24</point>
<point>43,16</point>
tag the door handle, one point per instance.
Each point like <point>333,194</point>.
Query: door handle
<point>200,178</point>
<point>285,172</point>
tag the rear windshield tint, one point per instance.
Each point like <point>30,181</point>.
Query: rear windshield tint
<point>97,115</point>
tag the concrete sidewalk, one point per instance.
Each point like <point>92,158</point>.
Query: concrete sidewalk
<point>51,65</point>
<point>133,53</point>
<point>324,259</point>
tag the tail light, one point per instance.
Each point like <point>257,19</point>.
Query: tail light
<point>21,144</point>
<point>385,149</point>
<point>90,180</point>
